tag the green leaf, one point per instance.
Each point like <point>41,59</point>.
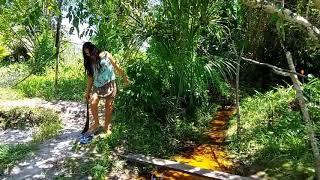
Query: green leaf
<point>71,30</point>
<point>75,23</point>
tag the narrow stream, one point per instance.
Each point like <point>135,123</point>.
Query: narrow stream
<point>208,156</point>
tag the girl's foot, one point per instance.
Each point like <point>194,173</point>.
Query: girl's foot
<point>93,128</point>
<point>108,132</point>
<point>105,134</point>
<point>86,138</point>
<point>107,129</point>
<point>98,130</point>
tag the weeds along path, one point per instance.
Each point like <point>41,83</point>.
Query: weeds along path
<point>41,163</point>
<point>210,155</point>
<point>48,161</point>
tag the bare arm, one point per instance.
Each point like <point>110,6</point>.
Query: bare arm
<point>118,69</point>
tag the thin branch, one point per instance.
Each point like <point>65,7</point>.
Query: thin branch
<point>71,42</point>
<point>288,15</point>
<point>19,37</point>
<point>139,22</point>
<point>281,73</point>
<point>31,73</point>
<point>275,68</point>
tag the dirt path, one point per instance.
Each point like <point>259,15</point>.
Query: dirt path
<point>46,163</point>
<point>72,115</point>
<point>52,151</point>
<point>208,156</point>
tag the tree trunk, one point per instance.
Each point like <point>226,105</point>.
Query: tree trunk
<point>237,98</point>
<point>57,45</point>
<point>287,15</point>
<point>237,91</point>
<point>305,114</point>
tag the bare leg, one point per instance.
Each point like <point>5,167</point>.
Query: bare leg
<point>94,110</point>
<point>108,115</point>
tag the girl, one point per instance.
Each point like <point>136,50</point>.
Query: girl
<point>99,66</point>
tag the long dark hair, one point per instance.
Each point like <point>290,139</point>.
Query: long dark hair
<point>92,61</point>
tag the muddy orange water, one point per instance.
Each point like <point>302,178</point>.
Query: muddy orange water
<point>208,156</point>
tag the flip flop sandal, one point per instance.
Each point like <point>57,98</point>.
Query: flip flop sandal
<point>86,138</point>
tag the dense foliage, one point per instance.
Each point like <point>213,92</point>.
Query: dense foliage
<point>273,133</point>
<point>180,57</point>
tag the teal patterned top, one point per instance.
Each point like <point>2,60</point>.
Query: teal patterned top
<point>105,74</point>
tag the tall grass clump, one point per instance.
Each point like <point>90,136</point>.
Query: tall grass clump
<point>46,122</point>
<point>273,135</point>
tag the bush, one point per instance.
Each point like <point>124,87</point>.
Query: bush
<point>273,136</point>
<point>3,53</point>
<point>151,118</point>
<point>43,53</point>
<point>10,154</point>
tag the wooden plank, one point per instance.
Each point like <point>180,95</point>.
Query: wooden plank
<point>182,167</point>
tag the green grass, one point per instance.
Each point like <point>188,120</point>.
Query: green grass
<point>71,84</point>
<point>11,154</point>
<point>273,136</point>
<point>47,130</point>
<point>71,80</point>
<point>149,137</point>
<point>79,168</point>
<point>3,52</point>
<point>138,135</point>
<point>9,94</point>
<point>23,117</point>
<point>48,124</point>
<point>46,120</point>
